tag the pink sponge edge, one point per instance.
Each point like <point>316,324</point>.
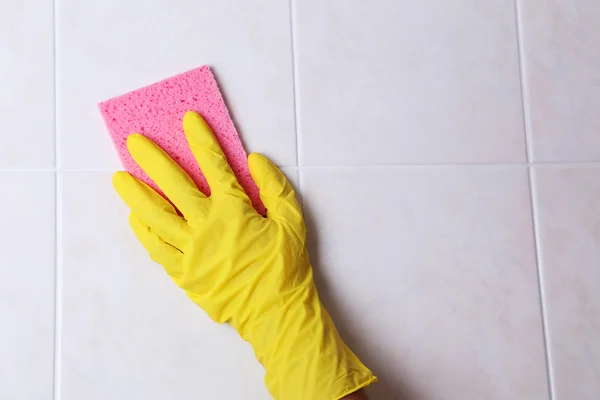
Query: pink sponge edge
<point>156,111</point>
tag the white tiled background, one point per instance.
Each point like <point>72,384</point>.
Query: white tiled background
<point>448,154</point>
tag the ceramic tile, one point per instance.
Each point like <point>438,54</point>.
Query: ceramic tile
<point>560,40</point>
<point>111,47</point>
<point>568,215</point>
<point>430,274</point>
<point>26,84</point>
<point>408,82</point>
<point>27,285</point>
<point>128,331</point>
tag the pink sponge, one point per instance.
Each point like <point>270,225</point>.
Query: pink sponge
<point>156,111</point>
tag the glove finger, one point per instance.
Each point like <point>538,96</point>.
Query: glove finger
<point>159,250</point>
<point>151,208</point>
<point>167,174</point>
<point>210,157</point>
<point>276,192</point>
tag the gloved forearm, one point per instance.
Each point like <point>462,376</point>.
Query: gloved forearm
<point>306,351</point>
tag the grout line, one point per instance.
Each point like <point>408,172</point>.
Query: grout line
<point>326,167</point>
<point>301,186</point>
<point>540,275</point>
<point>58,289</point>
<point>57,222</point>
<point>295,82</point>
<point>494,164</point>
<point>525,101</point>
<point>409,165</point>
<point>565,163</point>
<point>6,170</point>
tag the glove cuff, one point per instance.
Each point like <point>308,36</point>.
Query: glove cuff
<point>303,354</point>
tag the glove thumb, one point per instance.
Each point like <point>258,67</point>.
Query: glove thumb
<point>276,192</point>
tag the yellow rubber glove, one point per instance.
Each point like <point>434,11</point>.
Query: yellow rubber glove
<point>241,268</point>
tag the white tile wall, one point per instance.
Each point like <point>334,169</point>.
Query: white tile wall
<point>128,332</point>
<point>432,268</point>
<point>391,82</point>
<point>562,78</point>
<point>26,84</point>
<point>27,260</point>
<point>110,47</point>
<point>568,214</point>
<point>431,273</point>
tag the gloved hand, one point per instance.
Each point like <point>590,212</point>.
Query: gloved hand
<point>241,268</point>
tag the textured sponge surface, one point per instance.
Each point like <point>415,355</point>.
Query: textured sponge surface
<point>157,111</point>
